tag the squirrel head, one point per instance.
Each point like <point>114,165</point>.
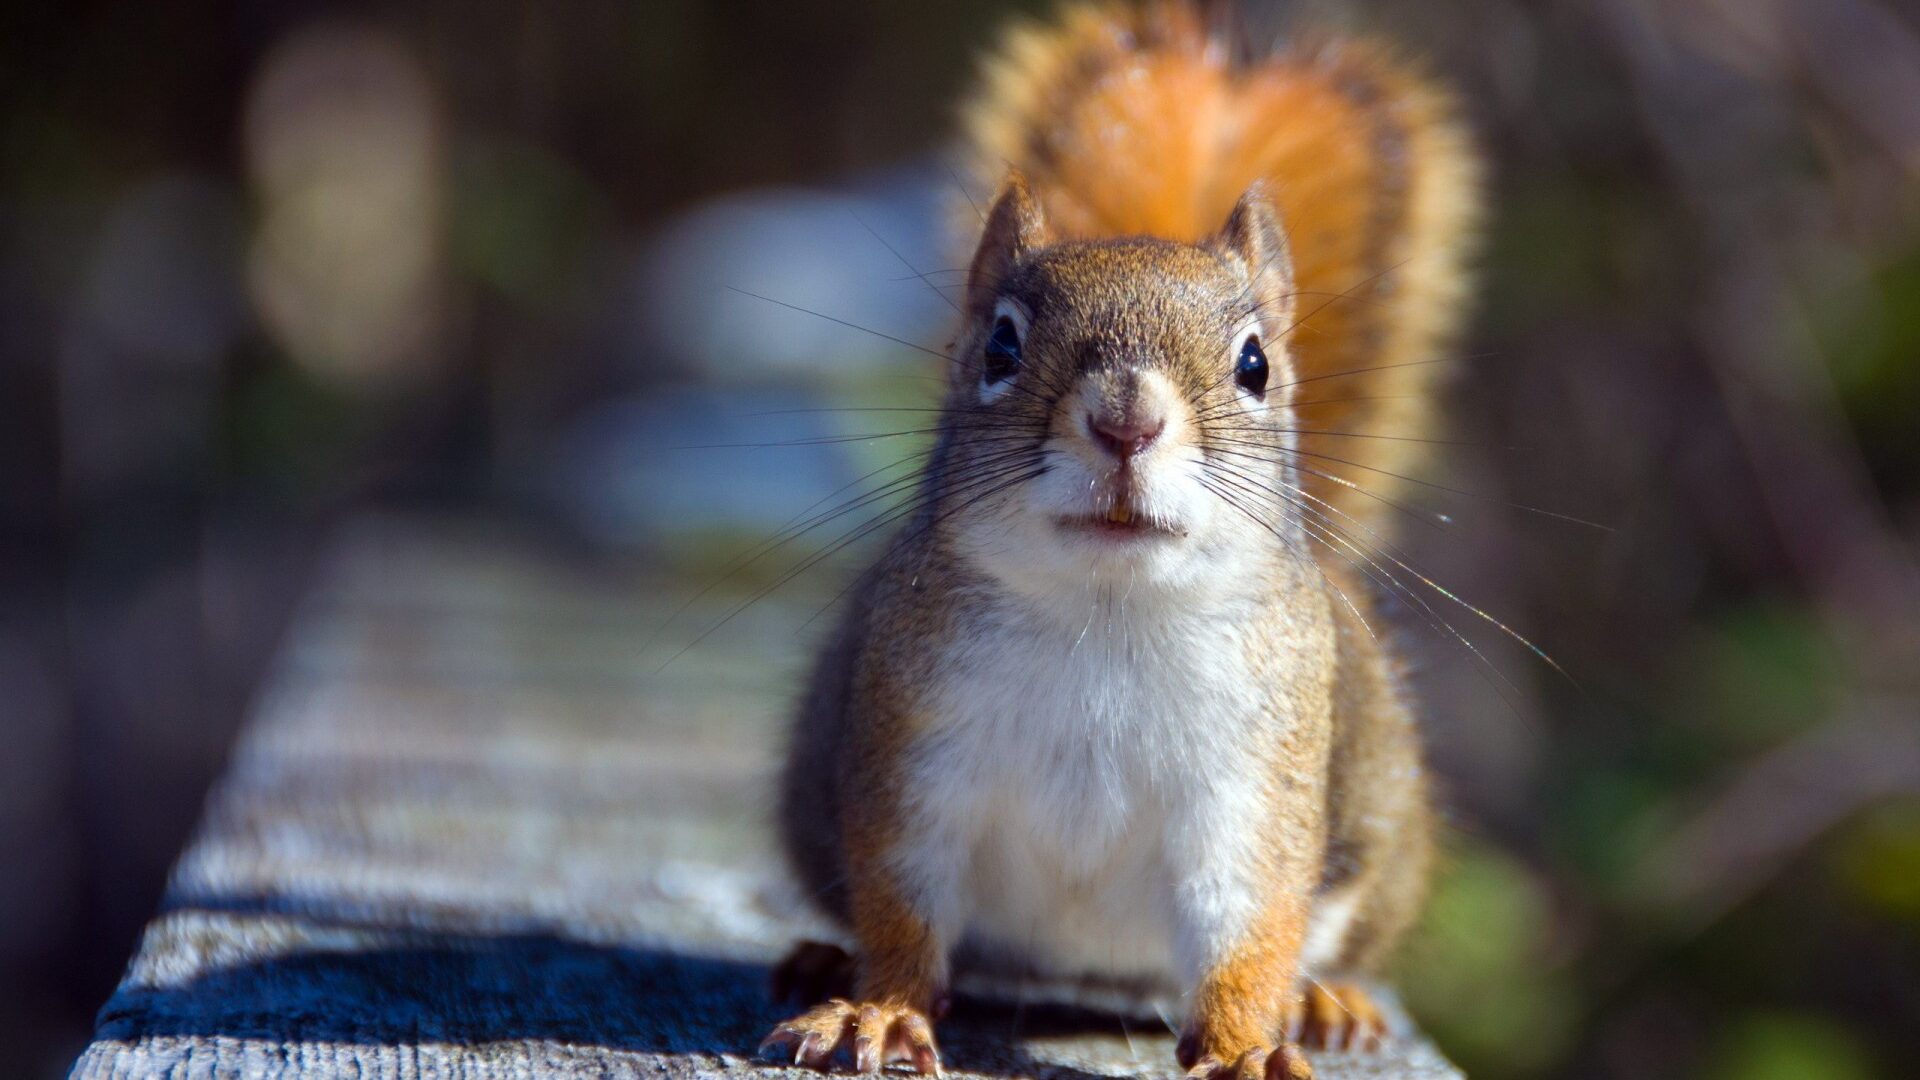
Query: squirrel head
<point>1120,403</point>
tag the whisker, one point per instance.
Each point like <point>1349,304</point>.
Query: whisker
<point>1384,577</point>
<point>1304,556</point>
<point>801,524</point>
<point>1363,435</point>
<point>928,497</point>
<point>774,542</point>
<point>1476,496</point>
<point>1034,472</point>
<point>965,194</point>
<point>1016,387</point>
<point>1387,550</point>
<point>841,322</point>
<point>1417,514</point>
<point>903,261</point>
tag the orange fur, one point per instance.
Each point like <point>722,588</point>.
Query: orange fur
<point>1235,1005</point>
<point>903,962</point>
<point>1135,120</point>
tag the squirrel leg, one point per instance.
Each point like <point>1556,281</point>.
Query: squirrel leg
<point>900,980</point>
<point>1241,919</point>
<point>898,987</point>
<point>1240,1005</point>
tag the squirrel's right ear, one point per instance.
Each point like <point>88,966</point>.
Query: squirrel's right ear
<point>1014,227</point>
<point>1253,235</point>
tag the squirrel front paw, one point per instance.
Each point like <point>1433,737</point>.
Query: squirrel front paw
<point>1282,1062</point>
<point>873,1034</point>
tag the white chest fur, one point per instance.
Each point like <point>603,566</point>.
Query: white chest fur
<point>1069,797</point>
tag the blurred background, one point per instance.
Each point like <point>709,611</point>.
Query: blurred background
<point>265,267</point>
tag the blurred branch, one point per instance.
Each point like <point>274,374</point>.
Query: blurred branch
<point>1813,478</point>
<point>1808,469</point>
<point>1854,57</point>
<point>1777,807</point>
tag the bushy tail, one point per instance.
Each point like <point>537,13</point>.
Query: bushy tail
<point>1145,119</point>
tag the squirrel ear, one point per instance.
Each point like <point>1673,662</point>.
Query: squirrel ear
<point>1014,227</point>
<point>1253,235</point>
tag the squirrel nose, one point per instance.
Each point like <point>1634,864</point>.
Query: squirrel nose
<point>1125,436</point>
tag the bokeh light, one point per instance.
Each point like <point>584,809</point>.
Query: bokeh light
<point>345,152</point>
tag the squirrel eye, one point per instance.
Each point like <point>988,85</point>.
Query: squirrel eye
<point>1003,352</point>
<point>1250,370</point>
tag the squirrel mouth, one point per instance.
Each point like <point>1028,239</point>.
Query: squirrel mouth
<point>1120,521</point>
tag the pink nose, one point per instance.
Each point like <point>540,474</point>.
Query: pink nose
<point>1125,436</point>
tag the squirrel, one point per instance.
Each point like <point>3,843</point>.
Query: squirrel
<point>1112,704</point>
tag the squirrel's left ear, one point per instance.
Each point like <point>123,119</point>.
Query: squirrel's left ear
<point>1253,235</point>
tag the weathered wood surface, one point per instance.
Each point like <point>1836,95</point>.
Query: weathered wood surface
<point>469,833</point>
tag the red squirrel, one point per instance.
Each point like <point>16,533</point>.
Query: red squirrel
<point>1114,703</point>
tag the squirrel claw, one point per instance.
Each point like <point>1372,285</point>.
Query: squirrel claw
<point>873,1034</point>
<point>1335,1016</point>
<point>786,1044</point>
<point>1283,1062</point>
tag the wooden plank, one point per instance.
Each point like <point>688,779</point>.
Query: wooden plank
<point>469,833</point>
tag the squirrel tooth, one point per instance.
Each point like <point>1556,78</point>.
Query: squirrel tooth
<point>1120,513</point>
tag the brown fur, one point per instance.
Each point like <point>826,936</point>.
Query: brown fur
<point>1137,142</point>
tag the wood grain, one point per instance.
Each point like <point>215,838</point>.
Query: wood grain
<point>469,833</point>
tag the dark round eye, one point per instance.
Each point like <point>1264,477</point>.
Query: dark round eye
<point>1250,371</point>
<point>1003,352</point>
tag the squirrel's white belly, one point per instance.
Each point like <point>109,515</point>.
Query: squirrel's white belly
<point>1057,769</point>
<point>1031,911</point>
